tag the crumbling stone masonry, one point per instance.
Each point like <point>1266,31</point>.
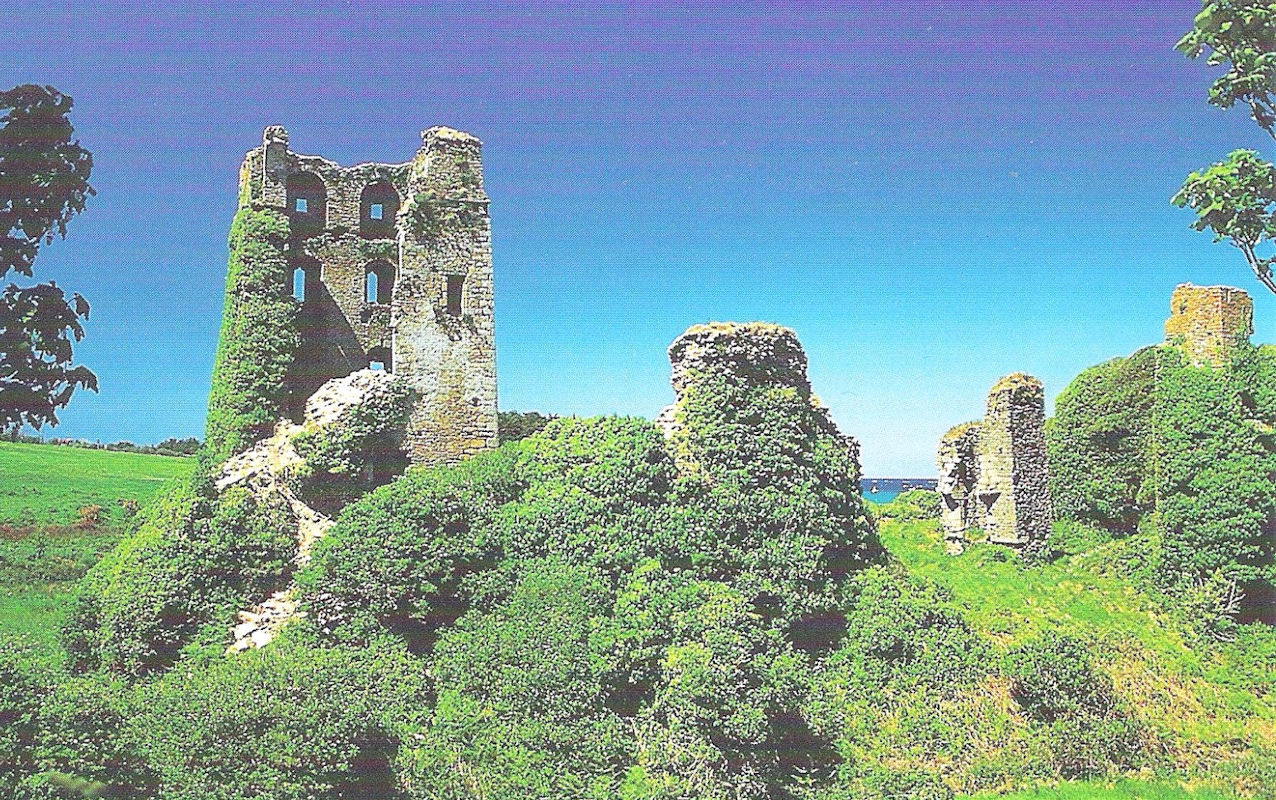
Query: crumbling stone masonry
<point>270,470</point>
<point>756,353</point>
<point>393,270</point>
<point>992,473</point>
<point>1208,322</point>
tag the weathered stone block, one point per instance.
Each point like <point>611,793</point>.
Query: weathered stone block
<point>993,473</point>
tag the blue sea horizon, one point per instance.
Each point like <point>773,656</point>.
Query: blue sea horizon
<point>884,490</point>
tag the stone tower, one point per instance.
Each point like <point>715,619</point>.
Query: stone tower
<point>992,473</point>
<point>392,270</point>
<point>1209,321</point>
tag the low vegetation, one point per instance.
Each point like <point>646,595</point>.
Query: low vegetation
<point>594,610</point>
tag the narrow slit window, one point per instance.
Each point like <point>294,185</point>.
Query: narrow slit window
<point>376,211</point>
<point>302,206</point>
<point>299,285</point>
<point>371,289</point>
<point>454,285</point>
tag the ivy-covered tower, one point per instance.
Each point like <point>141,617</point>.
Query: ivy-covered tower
<point>389,267</point>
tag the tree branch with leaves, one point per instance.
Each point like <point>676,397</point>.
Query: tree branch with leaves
<point>1236,198</point>
<point>44,176</point>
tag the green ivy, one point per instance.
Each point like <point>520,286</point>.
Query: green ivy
<point>258,340</point>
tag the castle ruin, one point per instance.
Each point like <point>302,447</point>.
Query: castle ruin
<point>1208,322</point>
<point>392,268</point>
<point>992,473</point>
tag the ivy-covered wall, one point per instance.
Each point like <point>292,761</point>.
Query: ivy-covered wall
<point>258,338</point>
<point>1188,448</point>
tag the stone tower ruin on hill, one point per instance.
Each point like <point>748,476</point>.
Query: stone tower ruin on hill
<point>993,474</point>
<point>392,269</point>
<point>1208,322</point>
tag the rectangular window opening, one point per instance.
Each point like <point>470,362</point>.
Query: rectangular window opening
<point>375,212</point>
<point>454,284</point>
<point>301,205</point>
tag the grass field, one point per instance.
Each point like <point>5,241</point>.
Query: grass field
<point>42,488</point>
<point>1124,790</point>
<point>46,484</point>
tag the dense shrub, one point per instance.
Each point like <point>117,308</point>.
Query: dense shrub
<point>192,560</point>
<point>290,722</point>
<point>258,339</point>
<point>769,492</point>
<point>27,680</point>
<point>1194,444</point>
<point>910,506</point>
<point>1054,681</point>
<point>1101,443</point>
<point>1216,474</point>
<point>521,711</point>
<point>515,425</point>
<point>905,691</point>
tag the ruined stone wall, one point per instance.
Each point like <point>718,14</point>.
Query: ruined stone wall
<point>958,479</point>
<point>348,222</point>
<point>1208,322</point>
<point>993,473</point>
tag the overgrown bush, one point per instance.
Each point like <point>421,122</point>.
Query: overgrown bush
<point>1194,444</point>
<point>1101,443</point>
<point>910,506</point>
<point>191,561</point>
<point>1054,681</point>
<point>515,425</point>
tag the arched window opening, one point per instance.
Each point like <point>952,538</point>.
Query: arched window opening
<point>307,278</point>
<point>378,205</point>
<point>379,359</point>
<point>307,203</point>
<point>455,283</point>
<point>379,282</point>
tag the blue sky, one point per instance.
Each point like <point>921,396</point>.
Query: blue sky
<point>932,194</point>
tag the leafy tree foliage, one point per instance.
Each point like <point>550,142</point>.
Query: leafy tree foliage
<point>1241,35</point>
<point>1236,198</point>
<point>44,174</point>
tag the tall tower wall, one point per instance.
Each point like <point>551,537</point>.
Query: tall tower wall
<point>421,230</point>
<point>993,473</point>
<point>1208,322</point>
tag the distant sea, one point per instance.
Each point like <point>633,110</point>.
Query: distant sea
<point>888,488</point>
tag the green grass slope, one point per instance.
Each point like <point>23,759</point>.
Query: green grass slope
<point>1123,790</point>
<point>46,485</point>
<point>42,549</point>
<point>1208,708</point>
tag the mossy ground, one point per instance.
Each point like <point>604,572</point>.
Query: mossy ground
<point>1123,790</point>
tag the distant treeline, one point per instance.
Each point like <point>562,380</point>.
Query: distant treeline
<point>168,447</point>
